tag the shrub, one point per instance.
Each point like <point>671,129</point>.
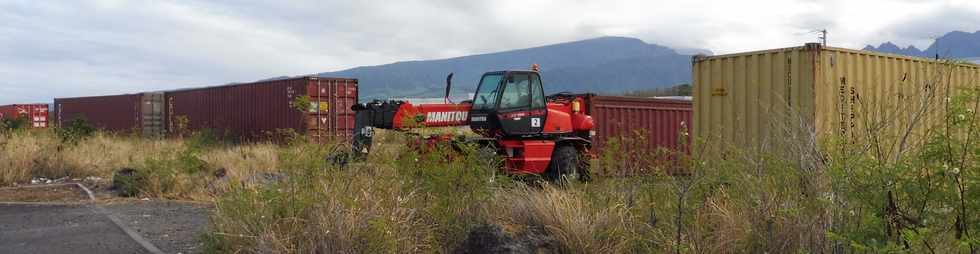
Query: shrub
<point>455,181</point>
<point>406,202</point>
<point>626,155</point>
<point>630,155</point>
<point>180,175</point>
<point>180,126</point>
<point>75,130</point>
<point>204,139</point>
<point>9,124</point>
<point>317,207</point>
<point>303,104</point>
<point>567,217</point>
<point>21,154</point>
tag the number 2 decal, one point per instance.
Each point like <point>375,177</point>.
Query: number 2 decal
<point>535,122</point>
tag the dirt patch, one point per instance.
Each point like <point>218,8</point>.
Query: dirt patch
<point>46,194</point>
<point>172,226</point>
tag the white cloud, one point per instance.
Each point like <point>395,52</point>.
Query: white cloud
<point>73,48</point>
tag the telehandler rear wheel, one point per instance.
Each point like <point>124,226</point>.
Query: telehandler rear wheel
<point>566,164</point>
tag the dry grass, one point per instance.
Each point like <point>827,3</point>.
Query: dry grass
<point>18,157</point>
<point>35,153</point>
<point>326,210</point>
<point>41,153</point>
<point>102,154</point>
<point>567,216</point>
<point>399,202</point>
<point>241,162</point>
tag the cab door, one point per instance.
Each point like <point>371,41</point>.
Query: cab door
<point>521,110</point>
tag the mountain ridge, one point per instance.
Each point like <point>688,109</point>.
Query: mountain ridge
<point>606,64</point>
<point>955,44</point>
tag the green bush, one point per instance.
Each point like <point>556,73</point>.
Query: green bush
<point>921,199</point>
<point>9,124</point>
<point>204,139</point>
<point>312,206</point>
<point>302,104</point>
<point>179,174</point>
<point>456,181</point>
<point>75,130</point>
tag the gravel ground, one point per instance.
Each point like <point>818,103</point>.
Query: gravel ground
<point>174,227</point>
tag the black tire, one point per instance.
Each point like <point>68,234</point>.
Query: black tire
<point>361,144</point>
<point>566,164</point>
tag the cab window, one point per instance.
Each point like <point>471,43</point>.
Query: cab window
<point>517,92</point>
<point>537,93</point>
<point>486,96</point>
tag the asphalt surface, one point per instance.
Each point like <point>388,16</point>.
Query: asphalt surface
<point>47,228</point>
<point>174,227</point>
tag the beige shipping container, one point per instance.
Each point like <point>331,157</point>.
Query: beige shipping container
<point>757,99</point>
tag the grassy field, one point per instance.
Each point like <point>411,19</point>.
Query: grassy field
<point>833,196</point>
<point>275,198</point>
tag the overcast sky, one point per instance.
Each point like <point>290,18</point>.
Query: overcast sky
<point>73,48</point>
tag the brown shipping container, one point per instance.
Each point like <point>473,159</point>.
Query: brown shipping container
<point>662,120</point>
<point>118,113</point>
<point>36,114</point>
<point>256,110</point>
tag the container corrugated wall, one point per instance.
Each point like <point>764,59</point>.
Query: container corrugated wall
<point>260,109</point>
<point>661,119</point>
<point>858,87</point>
<point>750,100</point>
<point>331,116</point>
<point>119,113</point>
<point>735,96</point>
<point>246,110</point>
<point>36,114</point>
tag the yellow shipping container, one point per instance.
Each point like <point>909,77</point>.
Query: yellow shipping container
<point>756,99</point>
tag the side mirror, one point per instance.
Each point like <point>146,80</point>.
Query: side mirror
<point>449,85</point>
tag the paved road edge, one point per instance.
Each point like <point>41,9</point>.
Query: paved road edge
<point>129,231</point>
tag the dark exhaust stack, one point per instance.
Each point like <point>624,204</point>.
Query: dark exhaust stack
<point>449,85</point>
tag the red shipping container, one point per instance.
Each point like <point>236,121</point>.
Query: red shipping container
<point>256,110</point>
<point>36,114</point>
<point>662,120</point>
<point>118,113</point>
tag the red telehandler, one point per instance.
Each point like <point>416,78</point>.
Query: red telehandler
<point>536,134</point>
